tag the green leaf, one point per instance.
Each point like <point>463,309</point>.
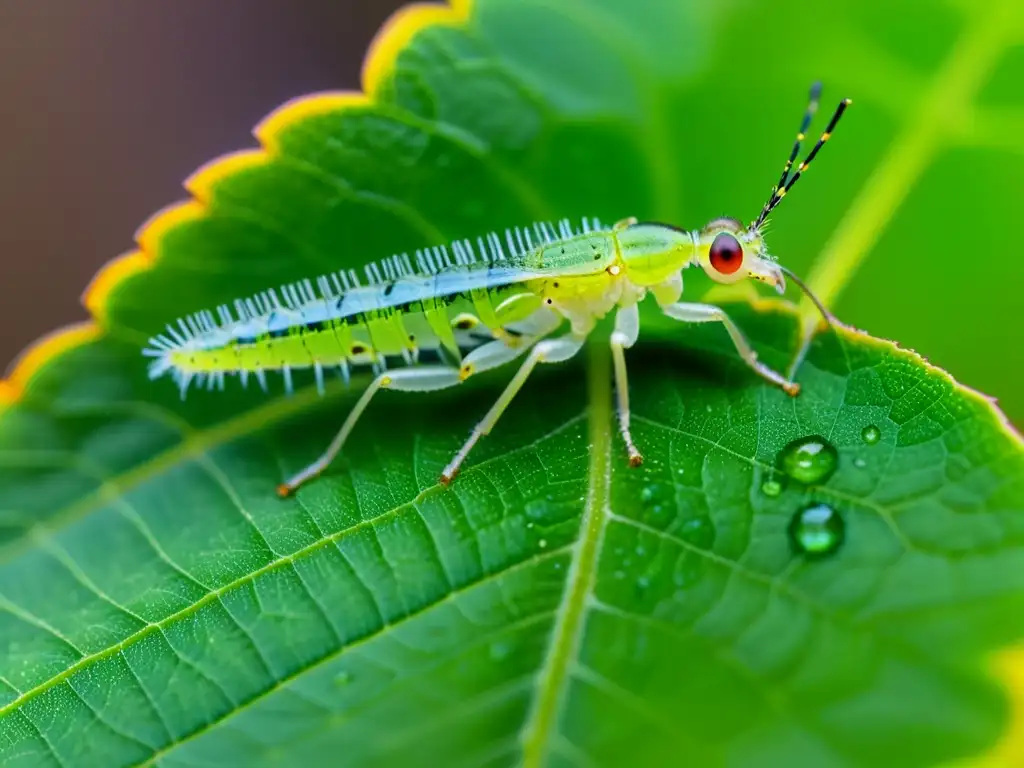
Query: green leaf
<point>160,605</point>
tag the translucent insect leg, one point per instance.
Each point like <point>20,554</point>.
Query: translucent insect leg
<point>403,380</point>
<point>491,355</point>
<point>546,351</point>
<point>506,349</point>
<point>709,313</point>
<point>627,328</point>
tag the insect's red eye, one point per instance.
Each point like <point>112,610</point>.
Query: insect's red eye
<point>726,253</point>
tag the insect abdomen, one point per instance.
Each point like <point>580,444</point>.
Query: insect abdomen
<point>440,307</point>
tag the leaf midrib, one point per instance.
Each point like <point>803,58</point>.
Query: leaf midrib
<point>567,632</point>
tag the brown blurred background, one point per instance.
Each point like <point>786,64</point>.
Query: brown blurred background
<point>106,106</point>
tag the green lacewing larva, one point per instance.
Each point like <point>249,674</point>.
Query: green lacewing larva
<point>453,311</point>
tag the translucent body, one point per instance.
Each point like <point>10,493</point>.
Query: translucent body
<point>469,307</point>
<point>464,310</point>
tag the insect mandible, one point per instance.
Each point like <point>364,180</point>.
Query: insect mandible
<point>454,311</point>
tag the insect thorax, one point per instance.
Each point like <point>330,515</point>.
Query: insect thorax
<point>653,253</point>
<point>582,255</point>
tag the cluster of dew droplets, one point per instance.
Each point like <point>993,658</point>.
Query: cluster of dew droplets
<point>816,529</point>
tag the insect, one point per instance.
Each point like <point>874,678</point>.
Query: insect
<point>451,312</point>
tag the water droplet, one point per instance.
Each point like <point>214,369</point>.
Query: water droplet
<point>529,525</point>
<point>640,551</point>
<point>699,531</point>
<point>542,543</point>
<point>343,678</point>
<point>658,502</point>
<point>771,488</point>
<point>687,572</point>
<point>817,529</point>
<point>809,459</point>
<point>859,463</point>
<point>641,585</point>
<point>500,651</point>
<point>871,434</point>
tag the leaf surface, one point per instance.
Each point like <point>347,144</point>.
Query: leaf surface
<point>159,605</point>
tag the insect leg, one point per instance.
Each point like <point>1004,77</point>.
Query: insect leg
<point>491,355</point>
<point>627,328</point>
<point>709,313</point>
<point>546,351</point>
<point>505,349</point>
<point>404,380</point>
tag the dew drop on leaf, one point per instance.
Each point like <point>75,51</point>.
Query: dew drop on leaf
<point>871,434</point>
<point>699,531</point>
<point>642,584</point>
<point>817,529</point>
<point>809,459</point>
<point>687,573</point>
<point>771,488</point>
<point>343,678</point>
<point>658,502</point>
<point>859,463</point>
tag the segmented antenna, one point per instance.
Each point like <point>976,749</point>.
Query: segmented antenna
<point>786,182</point>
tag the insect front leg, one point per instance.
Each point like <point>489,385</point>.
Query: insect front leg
<point>546,351</point>
<point>627,328</point>
<point>423,379</point>
<point>709,313</point>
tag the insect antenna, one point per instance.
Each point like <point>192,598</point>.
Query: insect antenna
<point>786,182</point>
<point>807,291</point>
